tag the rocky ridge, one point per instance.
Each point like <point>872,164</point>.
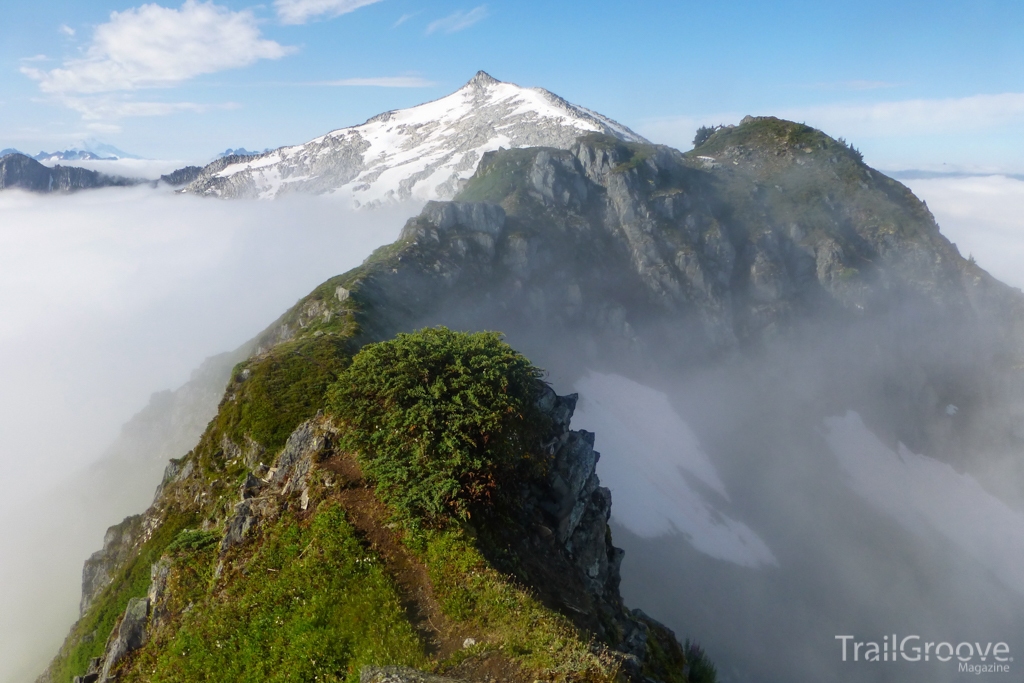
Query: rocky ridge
<point>565,529</point>
<point>770,233</point>
<point>23,172</point>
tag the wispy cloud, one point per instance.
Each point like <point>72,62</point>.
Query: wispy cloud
<point>457,21</point>
<point>103,128</point>
<point>107,108</point>
<point>301,11</point>
<point>66,30</point>
<point>382,82</point>
<point>915,116</point>
<point>404,18</point>
<point>891,119</point>
<point>153,46</point>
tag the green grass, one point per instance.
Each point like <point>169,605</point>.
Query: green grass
<point>311,604</point>
<point>499,176</point>
<point>192,540</point>
<point>768,132</point>
<point>472,593</point>
<point>283,389</point>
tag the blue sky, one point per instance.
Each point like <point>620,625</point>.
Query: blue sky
<point>913,84</point>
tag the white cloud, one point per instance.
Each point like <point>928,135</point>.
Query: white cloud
<point>301,11</point>
<point>66,30</point>
<point>153,46</point>
<point>103,128</point>
<point>382,82</point>
<point>898,118</point>
<point>458,21</point>
<point>112,108</point>
<point>983,216</point>
<point>914,117</point>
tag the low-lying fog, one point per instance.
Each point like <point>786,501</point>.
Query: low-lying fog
<point>106,297</point>
<point>147,169</point>
<point>760,524</point>
<point>983,216</point>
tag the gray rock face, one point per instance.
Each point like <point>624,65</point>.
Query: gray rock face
<point>129,636</point>
<point>644,258</point>
<point>578,506</point>
<point>422,153</point>
<point>238,525</point>
<point>475,216</point>
<point>261,498</point>
<point>99,569</point>
<point>158,575</point>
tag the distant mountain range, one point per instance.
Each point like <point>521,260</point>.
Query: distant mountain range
<point>96,152</point>
<point>422,153</point>
<point>240,152</point>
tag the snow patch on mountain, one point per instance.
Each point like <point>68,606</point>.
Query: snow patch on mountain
<point>418,154</point>
<point>927,496</point>
<point>662,481</point>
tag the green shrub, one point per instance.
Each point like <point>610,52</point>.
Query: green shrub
<point>441,421</point>
<point>703,133</point>
<point>701,669</point>
<point>280,390</point>
<point>191,540</point>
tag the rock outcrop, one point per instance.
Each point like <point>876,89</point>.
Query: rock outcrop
<point>119,543</point>
<point>400,674</point>
<point>641,258</point>
<point>576,505</point>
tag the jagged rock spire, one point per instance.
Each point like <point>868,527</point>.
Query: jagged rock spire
<point>482,79</point>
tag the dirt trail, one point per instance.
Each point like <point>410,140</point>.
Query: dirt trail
<point>441,638</point>
<point>370,518</point>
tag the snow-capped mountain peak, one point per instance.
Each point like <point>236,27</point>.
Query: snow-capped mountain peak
<point>420,153</point>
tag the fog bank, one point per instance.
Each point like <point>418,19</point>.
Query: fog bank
<point>149,169</point>
<point>108,296</point>
<point>983,216</point>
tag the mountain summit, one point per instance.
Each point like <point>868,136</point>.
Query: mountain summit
<point>422,153</point>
